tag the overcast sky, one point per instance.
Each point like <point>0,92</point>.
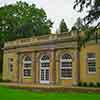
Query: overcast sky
<point>55,9</point>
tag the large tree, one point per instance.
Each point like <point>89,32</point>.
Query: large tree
<point>23,20</point>
<point>63,26</point>
<point>93,9</point>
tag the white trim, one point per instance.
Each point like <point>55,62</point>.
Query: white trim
<point>91,59</point>
<point>45,61</point>
<point>91,72</point>
<point>27,68</point>
<point>27,62</point>
<point>27,77</point>
<point>66,78</point>
<point>65,60</point>
<point>44,69</point>
<point>45,82</point>
<point>65,68</point>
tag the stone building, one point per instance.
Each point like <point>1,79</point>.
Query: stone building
<point>52,60</point>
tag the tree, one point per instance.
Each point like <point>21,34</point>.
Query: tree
<point>79,24</point>
<point>73,29</point>
<point>63,26</point>
<point>23,20</point>
<point>93,9</point>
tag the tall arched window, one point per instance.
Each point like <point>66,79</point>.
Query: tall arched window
<point>44,69</point>
<point>27,64</point>
<point>66,67</point>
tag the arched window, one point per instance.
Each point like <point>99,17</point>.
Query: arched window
<point>44,69</point>
<point>66,67</point>
<point>27,64</point>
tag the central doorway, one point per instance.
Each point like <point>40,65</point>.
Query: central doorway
<point>44,69</point>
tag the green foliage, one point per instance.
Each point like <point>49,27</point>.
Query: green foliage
<point>84,84</point>
<point>63,26</point>
<point>91,84</point>
<point>74,29</point>
<point>79,83</point>
<point>98,84</point>
<point>23,20</point>
<point>89,32</point>
<point>79,24</point>
<point>93,9</point>
<point>1,62</point>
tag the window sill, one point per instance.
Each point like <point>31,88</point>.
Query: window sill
<point>91,72</point>
<point>66,78</point>
<point>27,77</point>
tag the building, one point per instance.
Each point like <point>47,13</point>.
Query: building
<point>52,60</point>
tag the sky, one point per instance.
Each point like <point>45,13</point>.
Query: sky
<point>55,9</point>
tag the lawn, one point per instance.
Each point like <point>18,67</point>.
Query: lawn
<point>14,94</point>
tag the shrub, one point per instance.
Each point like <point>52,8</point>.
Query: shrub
<point>98,84</point>
<point>85,84</point>
<point>79,83</point>
<point>1,80</point>
<point>91,84</point>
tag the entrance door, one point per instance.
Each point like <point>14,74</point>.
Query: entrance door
<point>44,69</point>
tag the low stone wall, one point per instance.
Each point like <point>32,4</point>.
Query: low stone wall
<point>48,88</point>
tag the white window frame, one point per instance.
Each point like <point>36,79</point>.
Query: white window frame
<point>90,72</point>
<point>29,68</point>
<point>44,68</point>
<point>64,60</point>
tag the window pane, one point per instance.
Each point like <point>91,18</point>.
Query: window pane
<point>66,56</point>
<point>91,62</point>
<point>92,69</point>
<point>42,75</point>
<point>27,58</point>
<point>44,68</point>
<point>27,72</point>
<point>27,64</point>
<point>66,66</point>
<point>11,67</point>
<point>66,73</point>
<point>46,64</point>
<point>45,57</point>
<point>47,74</point>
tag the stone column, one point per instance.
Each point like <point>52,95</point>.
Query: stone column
<point>20,68</point>
<point>16,71</point>
<point>37,68</point>
<point>76,67</point>
<point>57,71</point>
<point>33,67</point>
<point>52,67</point>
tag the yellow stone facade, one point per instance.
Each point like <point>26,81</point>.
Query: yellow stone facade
<point>54,45</point>
<point>93,47</point>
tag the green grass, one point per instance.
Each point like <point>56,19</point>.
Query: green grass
<point>14,94</point>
